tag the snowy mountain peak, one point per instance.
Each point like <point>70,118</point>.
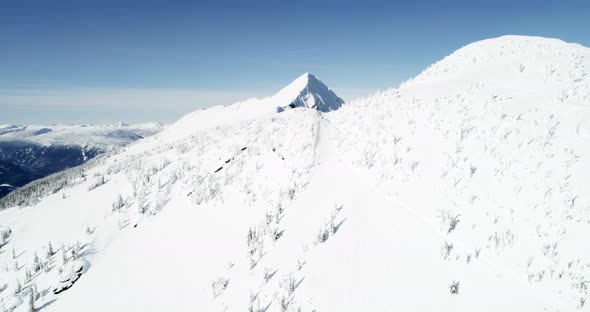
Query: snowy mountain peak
<point>308,91</point>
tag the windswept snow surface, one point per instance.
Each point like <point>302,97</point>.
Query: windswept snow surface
<point>466,189</point>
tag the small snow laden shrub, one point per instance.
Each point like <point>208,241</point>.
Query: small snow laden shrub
<point>219,286</point>
<point>118,203</point>
<point>5,233</point>
<point>331,227</point>
<point>289,284</point>
<point>323,235</point>
<point>268,274</point>
<point>449,220</point>
<point>454,288</point>
<point>446,250</point>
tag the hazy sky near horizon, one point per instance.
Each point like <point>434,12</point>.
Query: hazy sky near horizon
<point>138,61</point>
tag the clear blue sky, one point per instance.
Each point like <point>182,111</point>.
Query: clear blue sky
<point>134,61</point>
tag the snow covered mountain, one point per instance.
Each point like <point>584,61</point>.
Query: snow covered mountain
<point>32,152</point>
<point>465,189</point>
<point>306,91</point>
<point>313,94</point>
<point>97,136</point>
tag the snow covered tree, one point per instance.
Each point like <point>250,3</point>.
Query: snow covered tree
<point>142,204</point>
<point>35,293</point>
<point>64,255</point>
<point>28,276</point>
<point>323,235</point>
<point>268,274</point>
<point>446,250</point>
<point>5,233</point>
<point>285,304</point>
<point>50,251</point>
<point>276,234</point>
<point>118,203</point>
<point>454,288</point>
<point>75,251</point>
<point>18,288</point>
<point>252,237</point>
<point>31,302</point>
<point>36,263</point>
<point>269,218</point>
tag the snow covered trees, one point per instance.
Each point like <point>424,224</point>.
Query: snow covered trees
<point>219,286</point>
<point>118,203</point>
<point>100,180</point>
<point>31,193</point>
<point>255,246</point>
<point>331,227</point>
<point>287,292</point>
<point>5,233</point>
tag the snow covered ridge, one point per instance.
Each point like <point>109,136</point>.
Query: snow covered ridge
<point>519,58</point>
<point>97,136</point>
<point>306,91</point>
<point>466,186</point>
<point>32,152</point>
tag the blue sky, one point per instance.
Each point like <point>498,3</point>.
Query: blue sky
<point>135,61</point>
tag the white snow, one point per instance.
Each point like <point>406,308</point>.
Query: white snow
<point>70,275</point>
<point>472,176</point>
<point>303,92</point>
<point>99,136</point>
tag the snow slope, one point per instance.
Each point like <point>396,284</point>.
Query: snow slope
<point>463,190</point>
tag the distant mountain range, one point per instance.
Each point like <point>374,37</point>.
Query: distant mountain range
<point>32,152</point>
